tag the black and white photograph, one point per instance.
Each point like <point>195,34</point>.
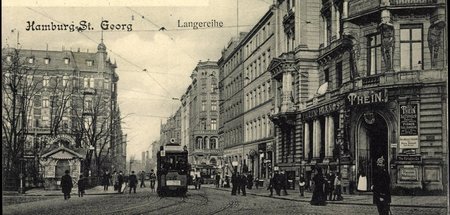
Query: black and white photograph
<point>225,107</point>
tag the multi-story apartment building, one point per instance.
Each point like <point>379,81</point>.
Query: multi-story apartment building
<point>67,98</point>
<point>170,132</point>
<point>200,111</point>
<point>294,73</point>
<point>258,146</point>
<point>383,73</point>
<point>231,105</point>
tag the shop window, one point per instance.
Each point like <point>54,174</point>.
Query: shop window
<point>411,47</point>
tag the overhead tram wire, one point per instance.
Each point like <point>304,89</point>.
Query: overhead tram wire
<point>118,55</point>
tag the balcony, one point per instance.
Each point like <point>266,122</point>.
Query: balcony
<point>357,7</point>
<point>289,21</point>
<point>336,47</point>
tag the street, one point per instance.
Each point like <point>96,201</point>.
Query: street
<point>204,201</point>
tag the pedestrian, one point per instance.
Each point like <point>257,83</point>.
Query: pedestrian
<point>115,181</point>
<point>382,188</point>
<point>250,181</point>
<point>257,182</point>
<point>238,183</point>
<point>217,180</point>
<point>234,182</point>
<point>132,182</point>
<point>284,182</point>
<point>152,180</point>
<point>301,185</point>
<point>337,188</point>
<point>120,181</point>
<point>81,185</point>
<point>329,186</point>
<point>200,182</point>
<point>318,197</point>
<point>271,185</point>
<point>66,185</point>
<point>277,183</point>
<point>105,180</point>
<point>227,181</point>
<point>243,183</point>
<point>142,178</point>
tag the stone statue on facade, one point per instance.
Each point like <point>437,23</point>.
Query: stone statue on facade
<point>354,53</point>
<point>387,43</point>
<point>435,40</point>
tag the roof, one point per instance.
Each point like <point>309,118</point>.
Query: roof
<point>59,153</point>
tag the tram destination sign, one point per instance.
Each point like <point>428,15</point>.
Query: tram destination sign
<point>408,120</point>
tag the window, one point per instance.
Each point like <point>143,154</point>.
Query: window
<point>338,74</point>
<point>65,80</point>
<point>213,88</point>
<point>66,60</point>
<point>89,62</point>
<point>46,60</point>
<point>411,47</point>
<point>213,124</point>
<point>203,105</point>
<point>8,58</point>
<point>45,103</point>
<point>213,105</point>
<point>373,54</point>
<point>328,27</point>
<point>326,73</point>
<point>31,60</point>
<point>88,105</point>
<point>45,81</point>
<point>91,82</point>
<point>86,82</point>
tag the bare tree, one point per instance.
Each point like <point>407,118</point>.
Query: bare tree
<point>18,90</point>
<point>59,104</point>
<point>95,120</point>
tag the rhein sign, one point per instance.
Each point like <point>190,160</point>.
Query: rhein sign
<point>367,97</point>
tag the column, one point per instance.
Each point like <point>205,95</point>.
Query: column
<point>316,139</point>
<point>330,139</point>
<point>306,146</point>
<point>286,91</point>
<point>345,9</point>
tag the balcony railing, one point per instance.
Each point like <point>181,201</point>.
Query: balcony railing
<point>412,2</point>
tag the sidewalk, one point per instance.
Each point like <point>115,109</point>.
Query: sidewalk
<point>98,190</point>
<point>397,201</point>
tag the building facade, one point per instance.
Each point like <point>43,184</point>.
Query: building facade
<point>294,72</point>
<point>203,116</point>
<point>66,98</point>
<point>231,89</point>
<point>382,93</point>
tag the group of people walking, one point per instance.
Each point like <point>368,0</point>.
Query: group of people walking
<point>119,180</point>
<point>278,182</point>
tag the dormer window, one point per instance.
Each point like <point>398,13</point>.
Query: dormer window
<point>89,62</point>
<point>8,58</point>
<point>66,60</point>
<point>46,60</point>
<point>31,60</point>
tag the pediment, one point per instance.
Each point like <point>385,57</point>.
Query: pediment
<point>62,153</point>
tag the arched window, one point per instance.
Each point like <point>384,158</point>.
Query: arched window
<point>199,142</point>
<point>205,143</point>
<point>213,143</point>
<point>213,161</point>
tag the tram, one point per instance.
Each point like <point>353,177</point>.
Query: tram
<point>172,169</point>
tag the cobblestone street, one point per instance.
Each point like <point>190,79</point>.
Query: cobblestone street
<point>204,201</point>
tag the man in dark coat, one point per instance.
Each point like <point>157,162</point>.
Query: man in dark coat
<point>271,185</point>
<point>382,188</point>
<point>105,180</point>
<point>243,184</point>
<point>277,183</point>
<point>152,180</point>
<point>142,178</point>
<point>217,180</point>
<point>132,182</point>
<point>66,184</point>
<point>284,182</point>
<point>234,183</point>
<point>249,181</point>
<point>120,180</point>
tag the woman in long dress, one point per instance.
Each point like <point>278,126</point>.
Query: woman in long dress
<point>318,197</point>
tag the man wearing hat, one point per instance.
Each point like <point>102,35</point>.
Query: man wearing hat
<point>382,188</point>
<point>66,185</point>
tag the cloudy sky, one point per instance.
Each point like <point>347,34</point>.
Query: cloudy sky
<point>168,56</point>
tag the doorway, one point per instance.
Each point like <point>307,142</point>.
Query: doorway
<point>372,144</point>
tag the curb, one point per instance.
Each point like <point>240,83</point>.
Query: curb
<point>86,194</point>
<point>337,202</point>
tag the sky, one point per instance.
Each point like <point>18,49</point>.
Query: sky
<point>153,66</point>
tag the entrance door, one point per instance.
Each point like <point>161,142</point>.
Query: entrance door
<point>372,144</point>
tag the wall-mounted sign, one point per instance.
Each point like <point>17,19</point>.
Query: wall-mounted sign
<point>325,109</point>
<point>367,97</point>
<point>408,120</point>
<point>409,142</point>
<point>409,158</point>
<point>409,174</point>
